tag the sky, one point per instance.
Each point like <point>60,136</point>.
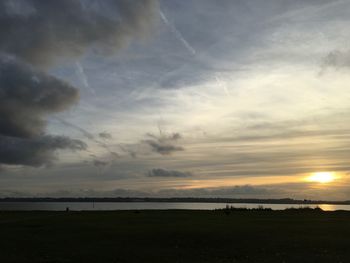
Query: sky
<point>197,98</point>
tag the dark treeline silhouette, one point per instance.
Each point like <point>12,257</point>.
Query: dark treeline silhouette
<point>172,199</point>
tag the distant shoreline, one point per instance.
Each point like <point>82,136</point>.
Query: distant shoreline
<point>173,200</point>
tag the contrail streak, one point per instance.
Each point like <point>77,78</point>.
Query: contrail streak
<point>177,33</point>
<point>87,134</point>
<point>82,76</point>
<point>222,84</point>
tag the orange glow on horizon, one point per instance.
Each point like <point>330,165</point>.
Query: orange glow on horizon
<point>239,181</point>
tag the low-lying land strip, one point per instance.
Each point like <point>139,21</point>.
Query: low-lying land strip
<point>227,235</point>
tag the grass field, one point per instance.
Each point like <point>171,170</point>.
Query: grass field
<point>175,236</point>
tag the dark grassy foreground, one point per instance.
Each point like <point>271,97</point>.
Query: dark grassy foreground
<point>175,236</point>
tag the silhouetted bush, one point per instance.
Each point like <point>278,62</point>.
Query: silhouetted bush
<point>303,208</point>
<point>231,208</point>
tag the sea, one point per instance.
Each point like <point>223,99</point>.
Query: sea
<point>109,206</point>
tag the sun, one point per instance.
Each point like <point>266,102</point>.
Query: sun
<point>322,177</point>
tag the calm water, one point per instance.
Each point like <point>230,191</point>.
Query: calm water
<point>77,206</point>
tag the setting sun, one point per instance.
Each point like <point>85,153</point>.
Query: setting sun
<point>322,177</point>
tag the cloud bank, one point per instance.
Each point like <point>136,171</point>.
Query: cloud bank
<point>40,32</point>
<point>28,96</point>
<point>36,151</point>
<point>34,35</point>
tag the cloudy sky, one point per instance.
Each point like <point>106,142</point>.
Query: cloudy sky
<point>228,98</point>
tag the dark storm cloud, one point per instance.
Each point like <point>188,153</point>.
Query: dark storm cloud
<point>27,96</point>
<point>40,32</point>
<point>33,35</point>
<point>164,144</point>
<point>34,151</point>
<point>167,173</point>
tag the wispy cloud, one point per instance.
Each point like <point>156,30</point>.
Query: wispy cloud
<point>158,172</point>
<point>105,135</point>
<point>164,144</point>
